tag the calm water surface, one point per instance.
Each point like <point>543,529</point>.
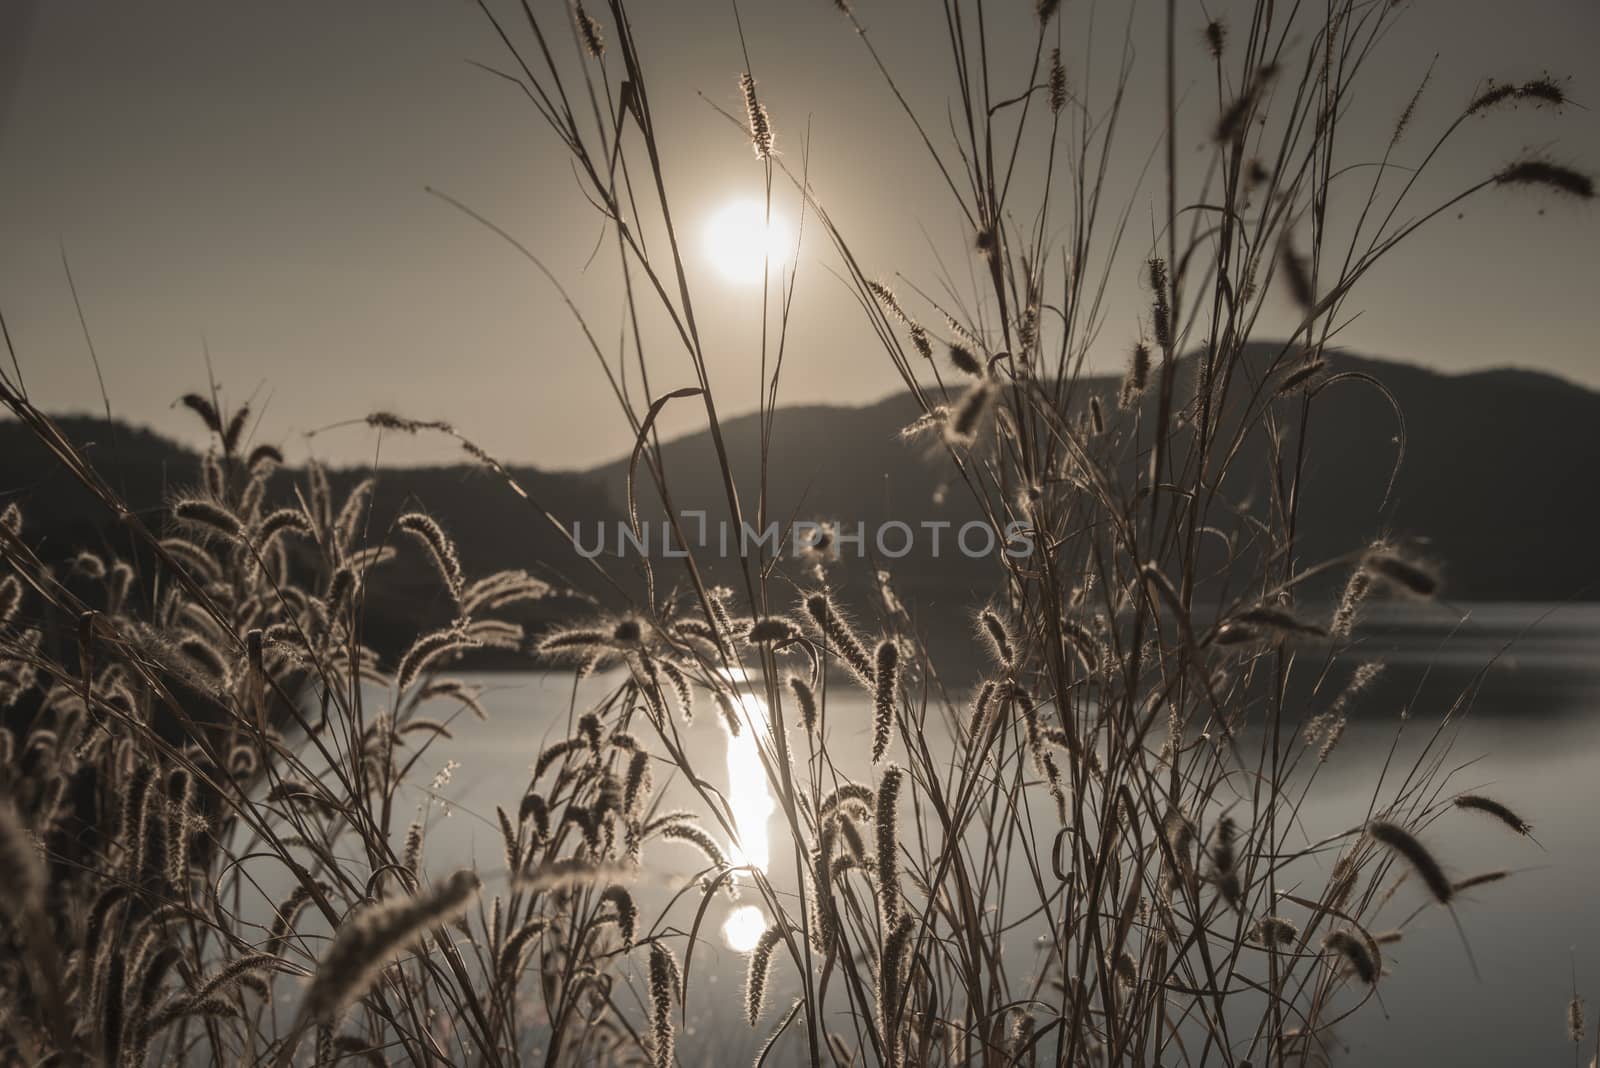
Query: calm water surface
<point>1532,739</point>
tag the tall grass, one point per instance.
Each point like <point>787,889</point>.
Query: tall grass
<point>1124,786</point>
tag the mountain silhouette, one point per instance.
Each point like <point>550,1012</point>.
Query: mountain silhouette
<point>1492,487</point>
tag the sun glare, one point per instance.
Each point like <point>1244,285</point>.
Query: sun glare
<point>743,928</point>
<point>743,242</point>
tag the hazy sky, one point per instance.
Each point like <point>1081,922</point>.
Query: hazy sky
<point>249,178</point>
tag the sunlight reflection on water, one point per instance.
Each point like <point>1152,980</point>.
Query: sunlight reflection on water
<point>748,795</point>
<point>752,806</point>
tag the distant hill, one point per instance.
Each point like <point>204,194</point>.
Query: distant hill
<point>1496,477</point>
<point>493,528</point>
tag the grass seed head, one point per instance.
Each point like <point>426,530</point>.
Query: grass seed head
<point>999,638</point>
<point>1491,807</point>
<point>1355,953</point>
<point>439,546</point>
<point>594,41</point>
<point>888,845</point>
<point>1539,173</point>
<point>363,945</point>
<point>759,971</point>
<point>756,119</point>
<point>1216,37</point>
<point>1407,846</point>
<point>663,990</point>
<point>807,700</point>
<point>884,693</point>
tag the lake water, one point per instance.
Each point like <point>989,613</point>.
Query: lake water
<point>1533,732</point>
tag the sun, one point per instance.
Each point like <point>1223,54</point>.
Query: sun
<point>743,242</point>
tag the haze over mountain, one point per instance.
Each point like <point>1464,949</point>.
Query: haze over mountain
<point>1486,487</point>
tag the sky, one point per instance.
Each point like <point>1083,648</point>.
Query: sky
<point>243,187</point>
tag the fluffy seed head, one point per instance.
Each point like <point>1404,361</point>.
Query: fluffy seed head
<point>1297,276</point>
<point>234,431</point>
<point>999,638</point>
<point>964,361</point>
<point>920,340</point>
<point>229,975</point>
<point>1479,803</point>
<point>961,427</point>
<point>1273,931</point>
<point>1137,377</point>
<point>1355,952</point>
<point>1493,95</point>
<point>512,953</point>
<point>978,723</point>
<point>1278,622</point>
<point>1302,376</point>
<point>696,836</point>
<point>1409,576</point>
<point>1232,122</point>
<point>1355,595</point>
<point>663,988</point>
<point>807,700</point>
<point>566,873</point>
<point>1542,91</point>
<point>262,457</point>
<point>636,788</point>
<point>366,941</point>
<point>440,548</point>
<point>839,636</point>
<point>888,843</point>
<point>536,811</point>
<point>1161,308</point>
<point>1216,37</point>
<point>884,693</point>
<point>426,650</point>
<point>283,521</point>
<point>1481,879</point>
<point>594,42</point>
<point>1553,176</point>
<point>756,118</point>
<point>886,298</point>
<point>204,409</point>
<point>760,968</point>
<point>770,631</point>
<point>891,966</point>
<point>1402,842</point>
<point>850,795</point>
<point>206,515</point>
<point>627,912</point>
